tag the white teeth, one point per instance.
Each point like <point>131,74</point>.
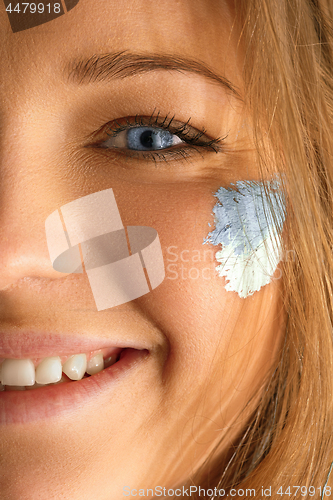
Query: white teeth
<point>18,372</point>
<point>49,371</point>
<point>75,366</point>
<point>95,364</point>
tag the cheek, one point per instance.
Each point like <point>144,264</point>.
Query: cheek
<point>191,305</point>
<point>201,321</point>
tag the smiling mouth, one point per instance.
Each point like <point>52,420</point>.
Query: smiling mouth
<point>34,373</point>
<point>21,405</point>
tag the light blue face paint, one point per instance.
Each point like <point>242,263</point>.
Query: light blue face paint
<point>248,233</point>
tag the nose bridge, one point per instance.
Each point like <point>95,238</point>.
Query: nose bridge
<point>32,182</point>
<point>29,179</point>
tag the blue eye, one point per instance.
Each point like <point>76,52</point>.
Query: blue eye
<point>143,139</point>
<point>156,138</point>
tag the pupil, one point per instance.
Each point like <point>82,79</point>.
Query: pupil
<point>146,138</point>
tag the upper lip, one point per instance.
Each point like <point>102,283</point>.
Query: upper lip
<point>32,343</point>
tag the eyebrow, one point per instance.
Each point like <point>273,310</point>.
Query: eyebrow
<point>111,66</point>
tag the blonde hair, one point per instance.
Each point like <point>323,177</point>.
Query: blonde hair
<point>288,80</point>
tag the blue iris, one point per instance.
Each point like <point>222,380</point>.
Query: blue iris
<point>145,139</point>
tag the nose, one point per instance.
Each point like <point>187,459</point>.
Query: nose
<point>28,194</point>
<point>23,246</point>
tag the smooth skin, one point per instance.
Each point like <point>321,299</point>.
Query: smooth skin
<point>209,349</point>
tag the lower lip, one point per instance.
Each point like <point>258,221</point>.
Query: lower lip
<point>21,407</point>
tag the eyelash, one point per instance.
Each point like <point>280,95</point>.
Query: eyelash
<point>178,152</point>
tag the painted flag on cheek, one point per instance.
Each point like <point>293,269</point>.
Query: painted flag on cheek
<point>248,233</point>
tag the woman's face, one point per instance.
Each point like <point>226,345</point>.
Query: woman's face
<point>155,422</point>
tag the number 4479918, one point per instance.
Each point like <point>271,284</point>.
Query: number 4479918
<point>33,8</point>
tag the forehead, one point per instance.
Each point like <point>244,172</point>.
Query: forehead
<point>193,28</point>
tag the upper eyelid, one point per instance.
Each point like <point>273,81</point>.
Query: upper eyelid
<point>163,125</point>
<point>124,129</point>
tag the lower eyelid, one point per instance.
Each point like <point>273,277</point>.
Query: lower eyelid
<point>170,155</point>
<point>162,155</point>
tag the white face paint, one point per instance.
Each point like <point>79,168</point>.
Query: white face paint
<point>249,234</point>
